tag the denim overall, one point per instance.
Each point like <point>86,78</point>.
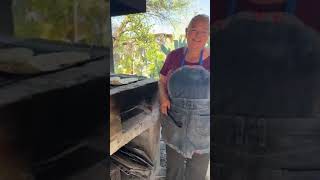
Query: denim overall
<point>187,126</point>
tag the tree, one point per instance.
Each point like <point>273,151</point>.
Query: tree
<point>135,47</point>
<point>63,20</point>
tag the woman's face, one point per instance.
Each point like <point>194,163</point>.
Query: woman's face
<point>197,34</point>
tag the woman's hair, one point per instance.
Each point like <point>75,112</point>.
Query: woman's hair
<point>199,17</point>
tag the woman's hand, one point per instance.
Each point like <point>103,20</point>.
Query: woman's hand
<point>164,100</point>
<point>164,105</point>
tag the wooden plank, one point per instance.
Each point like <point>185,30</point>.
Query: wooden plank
<point>131,86</point>
<point>114,172</point>
<point>149,142</point>
<point>115,120</point>
<point>115,128</point>
<point>134,127</point>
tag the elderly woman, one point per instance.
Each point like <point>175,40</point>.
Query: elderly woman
<point>185,104</point>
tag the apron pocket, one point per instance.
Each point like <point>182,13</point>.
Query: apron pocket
<point>198,130</point>
<point>203,125</point>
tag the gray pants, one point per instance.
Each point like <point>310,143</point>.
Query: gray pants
<point>180,168</point>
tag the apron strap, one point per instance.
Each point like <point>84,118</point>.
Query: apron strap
<point>201,57</point>
<point>184,57</point>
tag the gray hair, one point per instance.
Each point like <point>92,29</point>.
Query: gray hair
<point>199,17</point>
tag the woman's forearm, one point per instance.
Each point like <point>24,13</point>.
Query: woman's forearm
<point>162,89</point>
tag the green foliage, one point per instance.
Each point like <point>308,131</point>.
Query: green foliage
<point>166,10</point>
<point>165,50</point>
<point>136,49</point>
<point>181,42</point>
<point>62,20</point>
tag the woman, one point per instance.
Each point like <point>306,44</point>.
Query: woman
<point>184,101</point>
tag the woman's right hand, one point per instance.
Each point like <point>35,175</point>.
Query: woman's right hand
<point>164,105</point>
<point>164,100</point>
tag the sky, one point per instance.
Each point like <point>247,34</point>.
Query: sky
<point>205,6</point>
<point>197,7</point>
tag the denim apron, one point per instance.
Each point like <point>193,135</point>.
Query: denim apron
<point>187,126</point>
